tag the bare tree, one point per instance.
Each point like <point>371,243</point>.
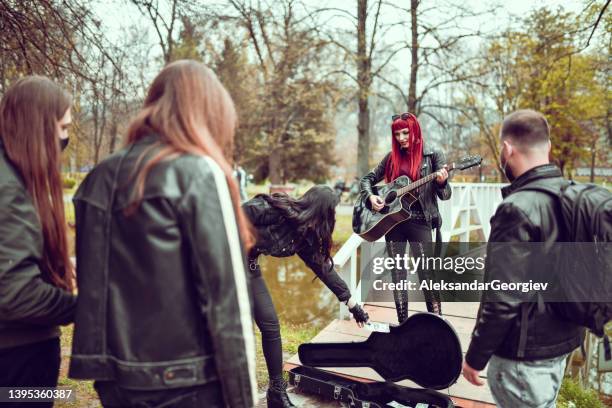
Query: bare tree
<point>48,38</point>
<point>289,54</point>
<point>167,18</point>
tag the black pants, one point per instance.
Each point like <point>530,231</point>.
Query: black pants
<point>266,319</point>
<point>418,234</point>
<point>31,365</point>
<point>207,395</point>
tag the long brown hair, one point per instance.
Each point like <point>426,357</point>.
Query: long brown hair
<point>314,213</point>
<point>29,115</point>
<point>192,113</point>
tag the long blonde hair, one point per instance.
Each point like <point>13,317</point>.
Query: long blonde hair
<point>193,114</point>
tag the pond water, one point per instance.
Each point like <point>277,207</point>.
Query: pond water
<point>297,298</point>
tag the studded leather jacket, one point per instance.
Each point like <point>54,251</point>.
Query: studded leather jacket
<point>278,237</point>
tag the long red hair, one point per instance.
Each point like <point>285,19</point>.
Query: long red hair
<point>29,114</point>
<point>415,153</point>
<point>193,114</point>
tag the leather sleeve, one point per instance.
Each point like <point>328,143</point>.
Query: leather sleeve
<point>258,212</point>
<point>24,295</point>
<point>327,273</point>
<point>508,263</point>
<point>376,175</point>
<point>221,281</point>
<point>437,162</point>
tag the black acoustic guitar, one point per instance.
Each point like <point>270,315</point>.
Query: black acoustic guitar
<point>424,349</point>
<point>399,196</point>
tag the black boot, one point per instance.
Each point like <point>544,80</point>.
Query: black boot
<point>399,275</point>
<point>277,394</point>
<point>432,297</point>
<point>401,306</point>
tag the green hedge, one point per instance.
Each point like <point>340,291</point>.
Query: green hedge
<point>572,395</point>
<point>68,182</point>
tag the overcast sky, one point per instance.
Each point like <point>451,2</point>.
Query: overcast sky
<point>116,14</point>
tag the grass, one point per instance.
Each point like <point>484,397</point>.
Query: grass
<point>85,394</point>
<point>342,231</point>
<point>572,395</point>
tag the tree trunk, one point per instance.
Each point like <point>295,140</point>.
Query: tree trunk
<point>363,148</point>
<point>414,63</point>
<point>274,166</point>
<point>593,155</point>
<point>113,136</point>
<point>364,81</point>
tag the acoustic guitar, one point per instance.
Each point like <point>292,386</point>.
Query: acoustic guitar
<point>399,196</point>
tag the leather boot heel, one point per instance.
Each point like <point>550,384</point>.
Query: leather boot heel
<point>277,396</point>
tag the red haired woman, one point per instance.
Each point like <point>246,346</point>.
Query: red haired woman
<point>36,276</point>
<point>164,315</point>
<point>409,157</point>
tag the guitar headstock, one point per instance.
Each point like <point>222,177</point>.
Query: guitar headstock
<point>467,162</point>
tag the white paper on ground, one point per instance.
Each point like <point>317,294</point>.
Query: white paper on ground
<point>377,327</point>
<point>396,404</point>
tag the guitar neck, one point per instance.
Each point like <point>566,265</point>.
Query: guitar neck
<point>421,182</point>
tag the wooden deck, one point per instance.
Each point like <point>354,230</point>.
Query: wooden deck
<point>460,315</point>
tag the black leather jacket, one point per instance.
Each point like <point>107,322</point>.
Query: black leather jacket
<point>433,160</point>
<point>278,237</point>
<point>163,299</point>
<point>523,216</point>
<point>30,308</point>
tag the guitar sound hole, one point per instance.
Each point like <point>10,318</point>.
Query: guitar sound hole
<point>389,198</point>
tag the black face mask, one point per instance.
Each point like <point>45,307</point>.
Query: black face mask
<point>507,170</point>
<point>64,143</point>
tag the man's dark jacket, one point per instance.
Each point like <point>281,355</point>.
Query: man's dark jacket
<point>433,160</point>
<point>30,308</point>
<point>523,216</point>
<point>277,236</point>
<point>163,300</point>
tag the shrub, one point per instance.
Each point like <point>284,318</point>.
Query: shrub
<point>572,395</point>
<point>68,182</point>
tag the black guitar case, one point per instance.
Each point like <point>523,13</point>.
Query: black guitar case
<point>424,349</point>
<point>364,395</point>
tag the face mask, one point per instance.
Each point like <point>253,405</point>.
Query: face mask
<point>507,171</point>
<point>64,143</point>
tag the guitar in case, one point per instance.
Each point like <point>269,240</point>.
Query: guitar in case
<point>399,196</point>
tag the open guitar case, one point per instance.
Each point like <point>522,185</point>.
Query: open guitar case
<point>424,349</point>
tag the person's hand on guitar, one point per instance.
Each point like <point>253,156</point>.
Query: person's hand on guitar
<point>442,175</point>
<point>376,202</point>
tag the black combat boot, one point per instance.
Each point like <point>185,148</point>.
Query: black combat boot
<point>399,275</point>
<point>277,394</point>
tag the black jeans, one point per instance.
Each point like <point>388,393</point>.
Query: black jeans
<point>418,234</point>
<point>207,395</point>
<point>31,365</point>
<point>266,319</point>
